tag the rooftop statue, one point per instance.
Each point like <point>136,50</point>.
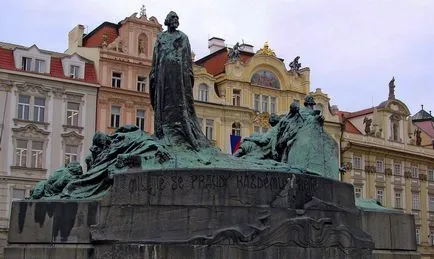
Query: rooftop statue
<point>234,53</point>
<point>392,89</point>
<point>295,65</point>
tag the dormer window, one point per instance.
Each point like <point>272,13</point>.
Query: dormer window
<point>26,64</point>
<point>40,66</point>
<point>73,66</point>
<point>74,71</point>
<point>32,60</point>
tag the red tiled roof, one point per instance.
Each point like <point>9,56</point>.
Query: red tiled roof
<point>56,68</point>
<point>350,128</point>
<point>95,37</point>
<point>7,59</point>
<point>359,113</point>
<point>215,62</point>
<point>426,126</point>
<point>90,73</point>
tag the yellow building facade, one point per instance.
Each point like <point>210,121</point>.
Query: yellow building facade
<point>385,163</point>
<point>236,97</point>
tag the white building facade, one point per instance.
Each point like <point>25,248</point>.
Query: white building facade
<point>47,118</point>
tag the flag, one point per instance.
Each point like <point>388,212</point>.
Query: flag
<point>235,143</point>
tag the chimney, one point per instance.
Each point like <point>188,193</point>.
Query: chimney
<point>247,47</point>
<point>215,44</point>
<point>75,37</point>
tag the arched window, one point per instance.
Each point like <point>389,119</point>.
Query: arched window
<point>203,92</point>
<point>142,44</point>
<point>236,129</point>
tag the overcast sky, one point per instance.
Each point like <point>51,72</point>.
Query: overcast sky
<point>353,48</point>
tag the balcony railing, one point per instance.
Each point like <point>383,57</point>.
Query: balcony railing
<point>381,143</point>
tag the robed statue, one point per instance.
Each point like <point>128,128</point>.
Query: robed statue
<point>171,89</point>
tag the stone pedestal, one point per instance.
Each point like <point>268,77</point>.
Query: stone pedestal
<point>196,214</point>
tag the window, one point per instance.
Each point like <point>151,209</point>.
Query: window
<point>431,237</point>
<point>418,236</point>
<point>257,129</point>
<point>397,169</point>
<point>203,93</point>
<point>236,97</point>
<point>358,192</point>
<point>415,203</point>
<point>72,113</point>
<point>26,64</point>
<point>23,107</point>
<point>256,102</point>
<point>380,195</point>
<point>200,120</point>
<point>398,201</point>
<point>115,117</point>
<point>39,109</point>
<point>18,194</point>
<point>357,162</point>
<point>209,127</point>
<point>414,172</point>
<point>379,166</point>
<point>395,130</point>
<point>40,66</point>
<point>21,153</point>
<point>116,80</point>
<point>272,104</point>
<point>431,203</point>
<point>74,71</point>
<point>431,174</point>
<point>236,129</point>
<point>71,154</point>
<point>37,154</point>
<point>264,103</point>
<point>140,119</point>
<point>141,84</point>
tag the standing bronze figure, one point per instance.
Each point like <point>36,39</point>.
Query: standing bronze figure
<point>171,89</point>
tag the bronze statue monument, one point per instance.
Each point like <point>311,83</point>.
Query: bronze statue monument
<point>171,84</point>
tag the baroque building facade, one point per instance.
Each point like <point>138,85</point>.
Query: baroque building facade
<point>123,56</point>
<point>386,161</point>
<point>237,96</point>
<point>48,103</point>
<point>224,89</point>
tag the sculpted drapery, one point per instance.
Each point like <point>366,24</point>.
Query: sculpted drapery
<point>171,89</point>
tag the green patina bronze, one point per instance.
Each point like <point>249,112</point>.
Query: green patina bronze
<point>297,141</point>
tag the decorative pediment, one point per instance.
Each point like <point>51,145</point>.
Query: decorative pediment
<point>72,138</point>
<point>30,131</point>
<point>75,97</point>
<point>395,106</point>
<point>35,88</point>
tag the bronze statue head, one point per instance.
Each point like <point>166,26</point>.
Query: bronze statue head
<point>309,101</point>
<point>172,21</point>
<point>74,168</point>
